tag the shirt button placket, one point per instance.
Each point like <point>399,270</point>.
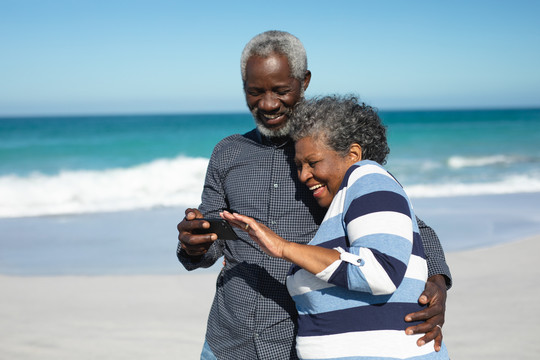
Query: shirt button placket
<point>273,222</point>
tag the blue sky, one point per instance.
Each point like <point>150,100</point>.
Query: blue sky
<point>110,56</point>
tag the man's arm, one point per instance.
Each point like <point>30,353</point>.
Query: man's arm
<point>434,294</point>
<point>436,260</point>
<point>201,250</point>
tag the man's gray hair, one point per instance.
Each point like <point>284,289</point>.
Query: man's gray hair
<point>341,121</point>
<point>281,42</point>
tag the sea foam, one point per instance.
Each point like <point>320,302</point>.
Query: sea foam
<point>509,185</point>
<point>163,182</point>
<point>176,182</point>
<point>457,162</point>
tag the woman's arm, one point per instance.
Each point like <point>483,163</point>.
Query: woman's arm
<point>311,258</point>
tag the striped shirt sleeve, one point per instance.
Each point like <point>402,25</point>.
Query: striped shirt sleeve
<point>377,217</point>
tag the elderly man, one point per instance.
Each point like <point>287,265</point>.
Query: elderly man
<point>252,316</point>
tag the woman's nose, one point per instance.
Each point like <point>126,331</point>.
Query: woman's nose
<point>303,175</point>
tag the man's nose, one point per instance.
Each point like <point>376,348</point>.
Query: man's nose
<point>269,102</point>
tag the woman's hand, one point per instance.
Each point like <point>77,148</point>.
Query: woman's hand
<point>269,242</point>
<point>309,257</point>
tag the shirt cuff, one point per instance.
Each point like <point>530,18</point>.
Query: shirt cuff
<point>353,259</point>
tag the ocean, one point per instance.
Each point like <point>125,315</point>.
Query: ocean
<point>72,165</point>
<point>67,183</point>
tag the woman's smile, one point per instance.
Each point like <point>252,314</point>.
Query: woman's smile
<point>321,168</point>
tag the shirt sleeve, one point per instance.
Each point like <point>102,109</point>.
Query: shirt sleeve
<point>380,230</point>
<point>436,260</point>
<point>213,201</point>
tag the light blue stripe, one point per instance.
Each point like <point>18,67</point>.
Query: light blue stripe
<point>329,229</point>
<point>372,183</point>
<point>389,244</point>
<point>338,298</point>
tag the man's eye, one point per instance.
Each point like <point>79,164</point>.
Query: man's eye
<point>254,92</point>
<point>312,163</point>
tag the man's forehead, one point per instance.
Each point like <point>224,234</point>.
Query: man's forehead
<point>273,61</point>
<point>274,67</point>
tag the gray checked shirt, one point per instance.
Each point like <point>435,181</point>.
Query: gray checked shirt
<point>253,316</point>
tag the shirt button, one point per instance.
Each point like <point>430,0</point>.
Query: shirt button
<point>256,335</point>
<point>276,186</point>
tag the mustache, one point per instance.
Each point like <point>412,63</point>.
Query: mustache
<point>282,131</point>
<point>257,113</point>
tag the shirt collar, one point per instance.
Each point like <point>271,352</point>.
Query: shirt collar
<point>269,142</point>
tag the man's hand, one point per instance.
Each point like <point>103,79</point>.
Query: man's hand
<point>434,296</point>
<point>194,244</point>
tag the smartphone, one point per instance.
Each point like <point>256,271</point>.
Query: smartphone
<point>220,227</point>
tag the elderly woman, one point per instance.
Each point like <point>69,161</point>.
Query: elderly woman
<point>365,268</point>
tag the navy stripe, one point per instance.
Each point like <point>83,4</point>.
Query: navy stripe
<point>330,244</point>
<point>417,247</point>
<point>388,316</point>
<point>340,277</point>
<point>347,175</point>
<point>375,202</point>
<point>341,241</point>
<point>393,267</point>
<point>293,269</point>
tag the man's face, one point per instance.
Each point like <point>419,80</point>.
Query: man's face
<point>271,93</point>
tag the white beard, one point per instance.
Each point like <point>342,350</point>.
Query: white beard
<point>272,133</point>
<point>283,131</point>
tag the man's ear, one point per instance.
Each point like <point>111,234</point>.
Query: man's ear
<point>355,153</point>
<point>307,79</point>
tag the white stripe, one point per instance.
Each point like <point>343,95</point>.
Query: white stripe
<point>375,275</point>
<point>303,282</point>
<point>417,268</point>
<point>337,205</point>
<point>381,222</point>
<point>382,343</point>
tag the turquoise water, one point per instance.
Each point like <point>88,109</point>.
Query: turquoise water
<point>49,145</point>
<point>86,169</point>
<point>465,152</point>
<point>68,165</point>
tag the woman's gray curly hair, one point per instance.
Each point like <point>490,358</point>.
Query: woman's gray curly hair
<point>341,121</point>
<point>279,42</point>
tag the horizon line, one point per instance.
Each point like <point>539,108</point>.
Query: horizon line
<point>238,112</point>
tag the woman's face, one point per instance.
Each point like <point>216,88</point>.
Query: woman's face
<point>321,168</point>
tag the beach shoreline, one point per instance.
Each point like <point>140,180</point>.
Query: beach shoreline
<point>109,285</point>
<point>491,311</point>
<point>143,242</point>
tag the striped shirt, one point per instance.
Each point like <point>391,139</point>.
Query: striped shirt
<point>354,309</point>
<point>253,316</point>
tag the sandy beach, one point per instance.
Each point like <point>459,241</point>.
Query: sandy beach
<point>490,311</point>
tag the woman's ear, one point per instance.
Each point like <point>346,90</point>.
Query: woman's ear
<point>355,153</point>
